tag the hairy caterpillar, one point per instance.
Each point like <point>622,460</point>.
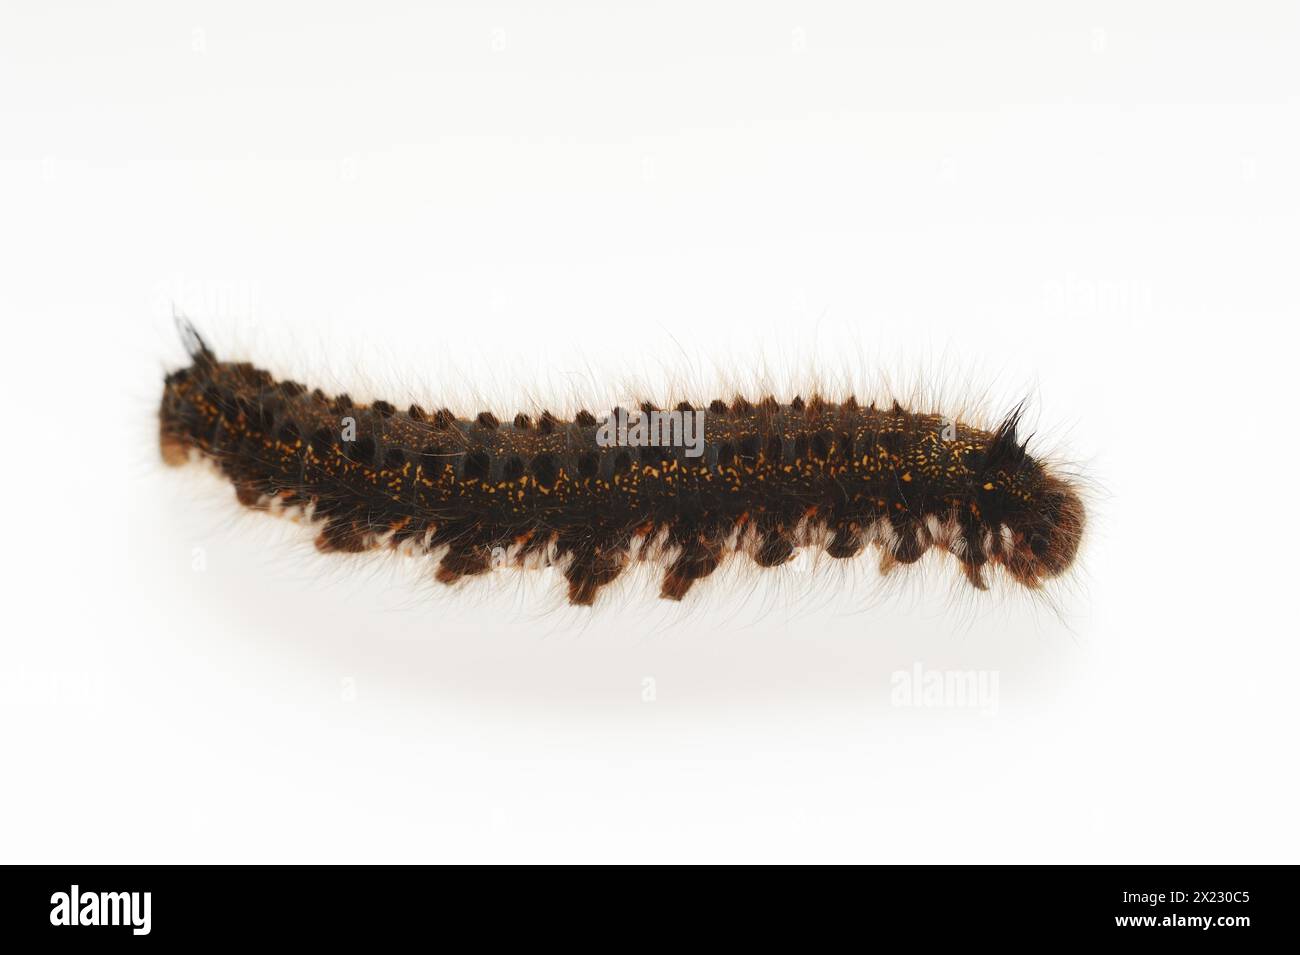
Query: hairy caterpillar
<point>763,478</point>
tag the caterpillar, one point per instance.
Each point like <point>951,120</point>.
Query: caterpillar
<point>762,478</point>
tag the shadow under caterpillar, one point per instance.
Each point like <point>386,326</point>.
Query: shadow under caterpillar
<point>763,479</point>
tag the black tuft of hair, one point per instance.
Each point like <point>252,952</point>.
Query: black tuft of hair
<point>1006,452</point>
<point>192,341</point>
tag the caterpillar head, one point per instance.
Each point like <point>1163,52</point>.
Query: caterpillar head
<point>1045,533</point>
<point>1039,516</point>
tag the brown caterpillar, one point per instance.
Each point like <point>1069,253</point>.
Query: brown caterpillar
<point>769,478</point>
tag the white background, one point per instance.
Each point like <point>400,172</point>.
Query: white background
<point>1093,204</point>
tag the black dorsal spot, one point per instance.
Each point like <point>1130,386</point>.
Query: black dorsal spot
<point>432,458</point>
<point>477,465</point>
<point>514,468</point>
<point>362,451</point>
<point>394,458</point>
<point>726,454</point>
<point>545,469</point>
<point>588,464</point>
<point>268,413</point>
<point>749,449</point>
<point>622,463</point>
